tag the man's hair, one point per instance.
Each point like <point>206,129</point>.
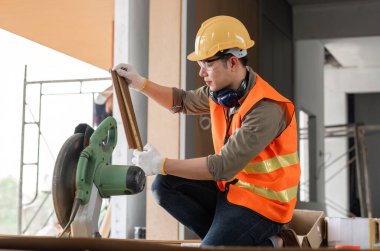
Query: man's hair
<point>243,60</point>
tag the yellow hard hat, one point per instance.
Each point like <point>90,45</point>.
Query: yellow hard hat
<point>217,34</point>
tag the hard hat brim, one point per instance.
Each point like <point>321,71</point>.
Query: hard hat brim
<point>194,57</point>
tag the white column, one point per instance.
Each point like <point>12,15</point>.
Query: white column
<point>131,39</point>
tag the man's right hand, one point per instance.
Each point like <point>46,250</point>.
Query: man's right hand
<point>132,77</point>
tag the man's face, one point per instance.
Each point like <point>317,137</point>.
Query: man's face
<point>215,72</point>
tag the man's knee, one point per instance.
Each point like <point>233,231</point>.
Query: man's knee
<point>158,188</point>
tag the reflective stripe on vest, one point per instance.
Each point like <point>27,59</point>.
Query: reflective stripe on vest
<point>281,196</point>
<point>272,164</point>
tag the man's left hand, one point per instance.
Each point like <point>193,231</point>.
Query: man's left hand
<point>150,160</point>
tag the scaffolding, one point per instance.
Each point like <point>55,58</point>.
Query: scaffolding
<point>356,154</point>
<point>36,121</point>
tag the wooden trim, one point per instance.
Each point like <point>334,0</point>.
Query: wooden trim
<point>127,112</point>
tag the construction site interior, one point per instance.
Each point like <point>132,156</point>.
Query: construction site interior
<point>56,58</point>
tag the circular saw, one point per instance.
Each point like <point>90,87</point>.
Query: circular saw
<point>83,176</point>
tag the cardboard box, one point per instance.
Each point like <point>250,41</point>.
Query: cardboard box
<point>363,232</point>
<point>309,225</point>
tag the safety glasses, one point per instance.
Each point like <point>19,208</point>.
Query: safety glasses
<point>208,63</point>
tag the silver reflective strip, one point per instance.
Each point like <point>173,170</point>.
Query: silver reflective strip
<point>282,196</point>
<point>272,164</point>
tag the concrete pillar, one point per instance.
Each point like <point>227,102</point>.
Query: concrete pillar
<point>131,40</point>
<point>309,63</point>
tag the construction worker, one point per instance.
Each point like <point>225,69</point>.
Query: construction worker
<point>244,193</point>
<point>103,105</point>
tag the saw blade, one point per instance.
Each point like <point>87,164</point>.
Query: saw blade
<point>63,189</point>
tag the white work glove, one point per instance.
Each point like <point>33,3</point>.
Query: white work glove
<point>130,74</point>
<point>150,160</point>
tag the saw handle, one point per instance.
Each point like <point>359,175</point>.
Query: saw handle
<point>82,182</point>
<point>105,136</point>
<point>97,153</point>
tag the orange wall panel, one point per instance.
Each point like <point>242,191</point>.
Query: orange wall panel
<point>163,126</point>
<point>82,29</point>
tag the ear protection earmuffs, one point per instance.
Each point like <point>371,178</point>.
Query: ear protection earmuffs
<point>229,98</point>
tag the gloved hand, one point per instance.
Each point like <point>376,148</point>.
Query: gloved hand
<point>132,77</point>
<point>150,160</point>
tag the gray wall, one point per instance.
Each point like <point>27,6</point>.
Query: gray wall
<point>276,46</point>
<point>309,61</point>
<point>337,19</point>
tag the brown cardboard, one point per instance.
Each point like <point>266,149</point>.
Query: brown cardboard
<point>376,241</point>
<point>309,226</point>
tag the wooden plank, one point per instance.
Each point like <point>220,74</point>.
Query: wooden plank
<point>127,112</point>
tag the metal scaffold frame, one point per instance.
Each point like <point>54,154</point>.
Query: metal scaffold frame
<point>37,121</point>
<point>360,158</point>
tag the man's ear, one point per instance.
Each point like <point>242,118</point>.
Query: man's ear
<point>234,62</point>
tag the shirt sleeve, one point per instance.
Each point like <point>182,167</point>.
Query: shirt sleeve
<point>191,102</point>
<point>261,125</point>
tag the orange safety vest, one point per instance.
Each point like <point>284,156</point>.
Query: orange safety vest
<point>268,184</point>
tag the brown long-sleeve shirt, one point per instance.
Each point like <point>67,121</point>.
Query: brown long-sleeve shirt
<point>260,126</point>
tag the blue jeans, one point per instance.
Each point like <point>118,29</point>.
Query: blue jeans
<point>204,209</point>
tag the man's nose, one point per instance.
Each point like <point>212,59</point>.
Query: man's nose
<point>202,72</point>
